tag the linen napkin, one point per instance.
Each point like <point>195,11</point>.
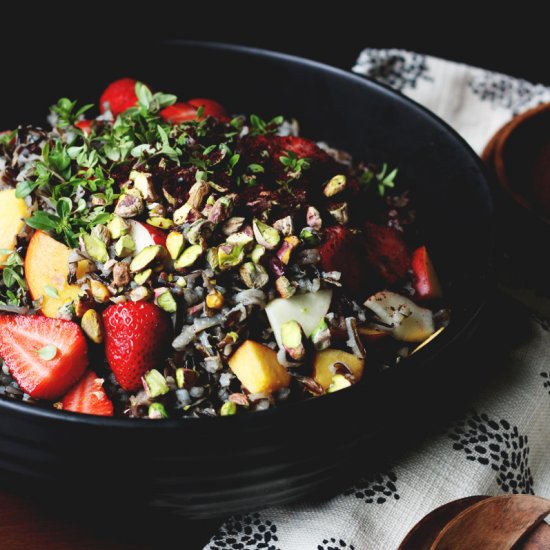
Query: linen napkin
<point>499,442</point>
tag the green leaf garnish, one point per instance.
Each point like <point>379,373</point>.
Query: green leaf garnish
<point>51,291</point>
<point>47,352</point>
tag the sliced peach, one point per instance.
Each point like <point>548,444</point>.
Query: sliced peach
<point>47,268</point>
<point>325,360</point>
<point>12,214</point>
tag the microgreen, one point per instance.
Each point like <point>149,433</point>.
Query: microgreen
<point>47,352</point>
<point>381,181</point>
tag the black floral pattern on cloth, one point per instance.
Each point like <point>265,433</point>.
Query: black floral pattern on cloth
<point>244,532</point>
<point>377,488</point>
<point>396,68</point>
<point>546,383</point>
<point>498,444</point>
<point>511,93</point>
<point>335,544</point>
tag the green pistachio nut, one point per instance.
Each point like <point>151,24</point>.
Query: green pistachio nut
<point>265,234</point>
<point>253,275</point>
<point>95,248</point>
<point>125,246</point>
<point>117,227</point>
<point>145,258</point>
<point>188,257</point>
<point>155,384</point>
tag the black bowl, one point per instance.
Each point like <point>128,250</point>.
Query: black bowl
<point>208,467</point>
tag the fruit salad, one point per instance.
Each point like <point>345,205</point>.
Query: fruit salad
<point>161,258</point>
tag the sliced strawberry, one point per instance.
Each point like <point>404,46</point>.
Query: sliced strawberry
<point>210,107</point>
<point>119,96</point>
<point>137,338</point>
<point>26,339</point>
<point>303,148</point>
<point>340,252</point>
<point>85,126</point>
<point>387,252</point>
<point>88,396</point>
<point>426,282</point>
<point>178,113</point>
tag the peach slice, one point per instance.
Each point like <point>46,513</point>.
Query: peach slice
<point>46,271</point>
<point>12,214</point>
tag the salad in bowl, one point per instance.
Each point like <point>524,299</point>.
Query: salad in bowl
<point>166,259</point>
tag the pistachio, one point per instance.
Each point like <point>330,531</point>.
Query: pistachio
<point>125,246</point>
<point>313,218</point>
<point>157,411</point>
<point>143,182</point>
<point>100,292</point>
<point>156,209</point>
<point>181,282</point>
<point>285,226</point>
<point>257,253</point>
<point>117,227</point>
<point>102,233</point>
<point>265,234</point>
<point>175,243</point>
<point>254,275</point>
<point>186,378</point>
<point>288,246</point>
<point>121,274</point>
<point>188,257</point>
<point>284,287</point>
<point>232,225</point>
<point>165,300</point>
<point>98,199</point>
<point>180,377</point>
<point>215,299</point>
<point>222,208</point>
<point>309,236</point>
<point>229,255</point>
<point>160,222</point>
<point>148,255</point>
<point>142,277</point>
<point>82,304</point>
<point>197,194</point>
<point>339,212</point>
<point>241,239</point>
<point>92,326</point>
<point>186,214</point>
<point>321,336</point>
<point>293,339</point>
<point>169,198</point>
<point>129,206</point>
<point>212,258</point>
<point>336,185</point>
<point>228,409</point>
<point>139,294</point>
<point>155,384</point>
<point>95,248</point>
<point>199,232</point>
<point>339,382</point>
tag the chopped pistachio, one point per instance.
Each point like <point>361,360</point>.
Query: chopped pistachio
<point>293,338</point>
<point>233,335</point>
<point>117,227</point>
<point>186,214</point>
<point>340,212</point>
<point>129,206</point>
<point>197,194</point>
<point>284,287</point>
<point>143,182</point>
<point>229,255</point>
<point>288,246</point>
<point>102,233</point>
<point>155,384</point>
<point>254,275</point>
<point>92,326</point>
<point>175,243</point>
<point>199,232</point>
<point>285,226</point>
<point>142,277</point>
<point>228,409</point>
<point>121,274</point>
<point>339,382</point>
<point>336,185</point>
<point>313,218</point>
<point>157,411</point>
<point>156,209</point>
<point>309,236</point>
<point>139,294</point>
<point>181,282</point>
<point>265,234</point>
<point>148,255</point>
<point>100,292</point>
<point>82,304</point>
<point>241,239</point>
<point>321,336</point>
<point>257,253</point>
<point>180,377</point>
<point>189,256</point>
<point>212,258</point>
<point>95,248</point>
<point>232,225</point>
<point>169,198</point>
<point>160,222</point>
<point>165,300</point>
<point>221,210</point>
<point>125,246</point>
<point>215,299</point>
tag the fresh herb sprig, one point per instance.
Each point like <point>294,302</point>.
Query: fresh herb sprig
<point>380,181</point>
<point>13,288</point>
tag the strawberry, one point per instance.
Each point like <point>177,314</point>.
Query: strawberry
<point>137,337</point>
<point>178,113</point>
<point>426,282</point>
<point>303,148</point>
<point>210,107</point>
<point>387,252</point>
<point>119,96</point>
<point>87,396</point>
<point>85,126</point>
<point>340,252</point>
<point>45,356</point>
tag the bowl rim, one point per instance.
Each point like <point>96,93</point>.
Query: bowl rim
<point>445,338</point>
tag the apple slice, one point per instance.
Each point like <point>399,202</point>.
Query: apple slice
<point>12,214</point>
<point>46,271</point>
<point>308,309</point>
<point>426,281</point>
<point>145,235</point>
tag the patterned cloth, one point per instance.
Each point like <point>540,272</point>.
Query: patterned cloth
<point>499,442</point>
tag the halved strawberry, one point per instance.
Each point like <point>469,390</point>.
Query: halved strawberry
<point>137,336</point>
<point>45,356</point>
<point>119,96</point>
<point>179,112</point>
<point>303,148</point>
<point>210,107</point>
<point>88,396</point>
<point>340,252</point>
<point>85,126</point>
<point>426,281</point>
